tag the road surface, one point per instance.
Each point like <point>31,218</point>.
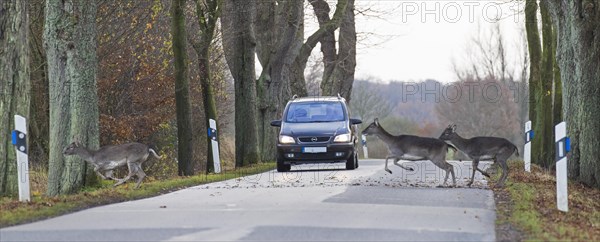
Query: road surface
<point>311,203</point>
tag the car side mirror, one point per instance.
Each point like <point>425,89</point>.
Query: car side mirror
<point>354,121</point>
<point>276,123</point>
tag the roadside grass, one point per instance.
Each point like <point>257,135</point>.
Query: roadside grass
<point>41,206</point>
<point>527,203</point>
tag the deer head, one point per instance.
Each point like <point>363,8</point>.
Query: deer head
<point>373,128</point>
<point>449,132</point>
<point>71,148</point>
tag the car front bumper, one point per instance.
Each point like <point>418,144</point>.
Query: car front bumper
<point>294,154</point>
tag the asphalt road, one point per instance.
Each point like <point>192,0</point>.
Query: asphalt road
<point>311,203</point>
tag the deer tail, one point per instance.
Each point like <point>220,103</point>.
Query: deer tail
<point>516,150</point>
<point>154,153</point>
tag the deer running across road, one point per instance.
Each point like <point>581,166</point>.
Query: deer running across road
<point>413,148</point>
<point>110,157</point>
<point>482,148</point>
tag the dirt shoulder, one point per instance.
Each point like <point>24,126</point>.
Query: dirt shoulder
<point>526,208</point>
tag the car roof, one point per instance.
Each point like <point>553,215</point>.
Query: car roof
<point>318,99</point>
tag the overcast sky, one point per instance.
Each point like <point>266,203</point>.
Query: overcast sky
<point>418,40</point>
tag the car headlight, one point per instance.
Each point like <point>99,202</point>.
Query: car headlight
<point>284,139</point>
<point>345,138</point>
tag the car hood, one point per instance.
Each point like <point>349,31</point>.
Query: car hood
<point>314,129</point>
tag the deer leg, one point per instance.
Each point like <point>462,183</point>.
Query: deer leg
<point>504,173</point>
<point>475,168</point>
<point>446,178</point>
<point>451,168</point>
<point>386,164</point>
<point>131,173</point>
<point>483,172</point>
<point>441,162</point>
<point>97,170</point>
<point>405,168</point>
<point>109,175</point>
<point>140,174</point>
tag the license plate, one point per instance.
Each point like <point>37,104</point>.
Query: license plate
<point>314,149</point>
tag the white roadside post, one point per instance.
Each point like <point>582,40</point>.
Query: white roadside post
<point>364,145</point>
<point>562,148</point>
<point>19,140</point>
<point>212,133</point>
<point>527,149</point>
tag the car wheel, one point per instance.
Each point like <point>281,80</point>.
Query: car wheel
<point>352,162</point>
<point>282,167</point>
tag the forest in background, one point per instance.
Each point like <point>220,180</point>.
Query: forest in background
<point>136,89</point>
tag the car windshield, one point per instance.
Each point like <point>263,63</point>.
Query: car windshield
<point>315,112</point>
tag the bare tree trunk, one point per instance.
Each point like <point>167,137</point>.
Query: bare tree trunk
<point>239,44</point>
<point>535,58</point>
<point>578,55</point>
<point>343,77</point>
<point>543,144</point>
<point>14,84</point>
<point>338,71</point>
<point>283,66</point>
<point>60,90</point>
<point>324,33</point>
<point>557,107</point>
<point>71,52</point>
<point>339,67</point>
<point>535,52</point>
<point>182,91</point>
<point>321,9</point>
<point>273,86</point>
<point>38,121</point>
<point>207,19</point>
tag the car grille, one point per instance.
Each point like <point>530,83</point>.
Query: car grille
<point>314,139</point>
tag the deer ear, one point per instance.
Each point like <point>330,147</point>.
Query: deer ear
<point>376,121</point>
<point>453,127</point>
<point>76,141</point>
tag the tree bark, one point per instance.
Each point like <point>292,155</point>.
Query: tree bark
<point>543,144</point>
<point>276,51</point>
<point>535,53</point>
<point>343,77</point>
<point>57,34</point>
<point>14,85</point>
<point>182,90</point>
<point>328,48</point>
<point>557,107</point>
<point>239,44</point>
<point>38,121</point>
<point>535,60</point>
<point>70,41</point>
<point>338,66</point>
<point>325,29</point>
<point>578,55</point>
<point>207,19</point>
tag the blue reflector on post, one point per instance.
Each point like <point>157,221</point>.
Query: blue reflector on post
<point>567,144</point>
<point>14,137</point>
